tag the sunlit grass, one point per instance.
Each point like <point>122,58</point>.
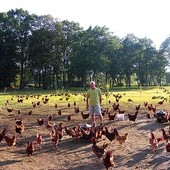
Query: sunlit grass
<point>138,96</point>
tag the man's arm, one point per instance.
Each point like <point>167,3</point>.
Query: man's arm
<point>100,98</point>
<point>87,102</point>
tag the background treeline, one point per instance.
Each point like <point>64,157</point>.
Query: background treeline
<point>49,53</point>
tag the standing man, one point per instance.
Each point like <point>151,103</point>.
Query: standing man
<point>95,97</point>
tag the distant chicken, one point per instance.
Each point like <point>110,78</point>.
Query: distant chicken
<point>20,100</point>
<point>69,131</point>
<point>19,129</point>
<point>55,106</point>
<point>30,148</point>
<point>153,141</point>
<point>165,136</point>
<point>34,104</point>
<point>50,117</point>
<point>137,107</point>
<point>30,112</point>
<point>98,133</point>
<point>74,132</point>
<point>39,140</point>
<point>111,117</point>
<point>60,130</point>
<point>45,102</point>
<point>148,115</point>
<point>121,111</point>
<point>59,112</point>
<point>76,109</point>
<point>119,138</point>
<point>38,103</point>
<point>167,147</point>
<point>19,112</point>
<point>10,110</point>
<point>40,121</point>
<point>115,106</point>
<point>18,122</point>
<point>132,117</point>
<point>54,135</point>
<point>46,99</point>
<point>69,105</point>
<point>48,125</point>
<point>145,104</point>
<point>104,111</point>
<point>130,100</point>
<point>84,116</point>
<point>10,141</point>
<point>88,134</point>
<point>99,151</point>
<point>108,160</point>
<point>149,106</point>
<point>117,100</point>
<point>109,135</point>
<point>69,118</point>
<point>2,135</point>
<point>161,102</point>
<point>154,109</point>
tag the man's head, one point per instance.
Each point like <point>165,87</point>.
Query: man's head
<point>92,84</point>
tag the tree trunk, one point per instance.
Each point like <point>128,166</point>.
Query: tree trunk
<point>128,82</point>
<point>64,79</point>
<point>39,78</point>
<point>53,80</point>
<point>44,79</point>
<point>22,75</point>
<point>106,78</point>
<point>83,82</point>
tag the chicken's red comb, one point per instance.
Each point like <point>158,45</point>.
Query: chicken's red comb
<point>160,139</point>
<point>110,153</point>
<point>162,129</point>
<point>93,138</point>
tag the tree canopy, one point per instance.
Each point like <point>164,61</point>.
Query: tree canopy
<point>44,51</point>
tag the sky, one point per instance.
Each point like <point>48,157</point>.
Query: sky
<point>143,18</point>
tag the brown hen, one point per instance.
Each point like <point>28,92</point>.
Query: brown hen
<point>99,151</point>
<point>108,160</point>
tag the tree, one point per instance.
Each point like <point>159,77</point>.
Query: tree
<point>8,69</point>
<point>70,31</point>
<point>114,52</point>
<point>145,55</point>
<point>20,21</point>
<point>129,52</point>
<point>40,54</point>
<point>42,50</point>
<point>165,48</point>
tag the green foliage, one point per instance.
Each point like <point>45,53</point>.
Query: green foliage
<point>42,50</point>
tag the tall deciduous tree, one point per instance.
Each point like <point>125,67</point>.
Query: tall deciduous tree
<point>8,51</point>
<point>129,53</point>
<point>21,24</point>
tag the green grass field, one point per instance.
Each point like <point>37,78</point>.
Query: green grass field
<point>138,96</point>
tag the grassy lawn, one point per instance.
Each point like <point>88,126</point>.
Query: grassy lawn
<point>138,96</point>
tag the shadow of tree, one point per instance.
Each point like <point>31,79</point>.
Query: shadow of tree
<point>8,162</point>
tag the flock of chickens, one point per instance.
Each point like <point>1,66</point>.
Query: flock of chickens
<point>81,133</point>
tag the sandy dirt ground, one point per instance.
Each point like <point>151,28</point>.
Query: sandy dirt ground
<point>136,154</point>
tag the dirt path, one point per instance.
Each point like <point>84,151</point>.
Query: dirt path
<point>79,156</point>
